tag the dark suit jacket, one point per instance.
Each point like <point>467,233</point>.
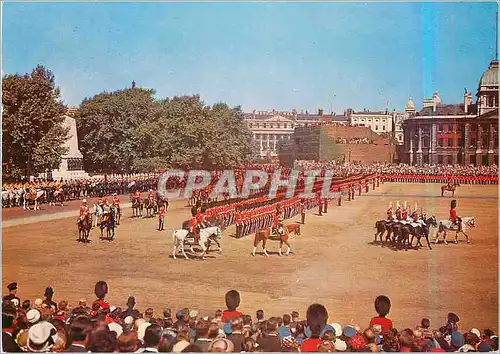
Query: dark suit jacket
<point>203,344</point>
<point>76,349</point>
<point>237,339</point>
<point>9,345</point>
<point>270,343</point>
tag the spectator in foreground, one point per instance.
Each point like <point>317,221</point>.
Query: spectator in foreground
<point>317,316</point>
<point>382,306</point>
<point>232,303</point>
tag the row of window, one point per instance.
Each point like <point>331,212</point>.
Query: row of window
<point>271,125</point>
<point>368,126</point>
<point>271,137</point>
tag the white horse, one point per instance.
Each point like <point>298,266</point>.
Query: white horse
<point>98,211</point>
<point>32,196</point>
<point>7,198</point>
<point>466,222</point>
<point>207,235</point>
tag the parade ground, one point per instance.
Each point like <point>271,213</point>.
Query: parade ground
<point>333,262</point>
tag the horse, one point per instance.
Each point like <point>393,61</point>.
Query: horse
<point>137,206</point>
<point>381,228</point>
<point>7,198</point>
<point>109,224</point>
<point>84,226</point>
<point>150,206</point>
<point>423,231</point>
<point>293,228</point>
<point>449,188</point>
<point>33,197</point>
<point>463,224</point>
<point>265,234</point>
<point>206,235</point>
<point>58,195</point>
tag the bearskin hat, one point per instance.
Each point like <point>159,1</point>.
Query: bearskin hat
<point>453,204</point>
<point>101,289</point>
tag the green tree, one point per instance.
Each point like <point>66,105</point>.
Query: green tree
<point>118,130</point>
<point>33,135</point>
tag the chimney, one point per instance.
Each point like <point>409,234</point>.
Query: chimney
<point>467,102</point>
<point>320,111</point>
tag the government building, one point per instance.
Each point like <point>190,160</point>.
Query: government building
<point>272,128</point>
<point>465,133</point>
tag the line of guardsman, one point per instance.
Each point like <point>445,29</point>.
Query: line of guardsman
<point>427,178</point>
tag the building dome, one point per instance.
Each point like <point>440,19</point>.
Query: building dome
<point>410,105</point>
<point>490,76</point>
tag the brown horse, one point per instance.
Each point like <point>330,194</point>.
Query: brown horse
<point>84,226</point>
<point>293,228</point>
<point>449,188</point>
<point>265,234</point>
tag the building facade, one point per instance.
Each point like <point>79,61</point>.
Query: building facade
<point>273,128</point>
<point>463,133</point>
<point>379,122</point>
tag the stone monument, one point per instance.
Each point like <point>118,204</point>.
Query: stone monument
<point>72,162</point>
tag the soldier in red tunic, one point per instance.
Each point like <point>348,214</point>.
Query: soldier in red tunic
<point>389,212</point>
<point>399,213</point>
<point>84,210</point>
<point>193,229</point>
<point>151,195</point>
<point>302,211</point>
<point>453,212</point>
<point>161,219</point>
<point>404,215</point>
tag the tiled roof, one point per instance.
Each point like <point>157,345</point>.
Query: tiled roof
<point>448,110</point>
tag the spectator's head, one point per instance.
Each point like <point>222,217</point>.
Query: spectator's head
<point>272,325</point>
<point>295,316</point>
<point>101,289</point>
<point>80,329</point>
<point>202,329</point>
<point>102,340</point>
<point>316,319</point>
<point>148,314</point>
<point>152,336</point>
<point>247,320</point>
<point>191,348</point>
<point>382,305</point>
<point>49,293</point>
<point>213,331</point>
<point>26,305</point>
<point>369,336</point>
<point>127,342</point>
<point>221,345</point>
<point>260,315</point>
<point>425,323</point>
<point>167,313</point>
<point>9,314</point>
<point>131,302</point>
<point>249,345</point>
<point>33,316</point>
<point>12,288</point>
<point>406,339</point>
<point>41,337</point>
<point>286,319</point>
<point>218,315</point>
<point>232,300</point>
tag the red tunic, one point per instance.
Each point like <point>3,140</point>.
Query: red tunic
<point>116,201</point>
<point>276,221</point>
<point>192,224</point>
<point>162,212</point>
<point>84,210</point>
<point>453,215</point>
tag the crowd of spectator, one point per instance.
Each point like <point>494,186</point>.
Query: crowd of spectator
<point>47,326</point>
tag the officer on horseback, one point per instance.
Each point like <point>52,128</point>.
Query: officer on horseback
<point>278,228</point>
<point>194,228</point>
<point>453,212</point>
<point>84,210</point>
<point>389,212</point>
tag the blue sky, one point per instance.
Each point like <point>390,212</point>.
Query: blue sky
<point>257,55</point>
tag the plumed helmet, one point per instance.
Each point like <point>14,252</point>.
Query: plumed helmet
<point>84,201</point>
<point>453,204</point>
<point>101,289</point>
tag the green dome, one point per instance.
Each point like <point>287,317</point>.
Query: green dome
<point>490,76</point>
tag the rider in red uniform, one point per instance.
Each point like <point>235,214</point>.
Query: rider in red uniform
<point>116,200</point>
<point>193,229</point>
<point>137,194</point>
<point>389,212</point>
<point>404,216</point>
<point>84,209</point>
<point>399,213</point>
<point>453,212</point>
<point>151,195</point>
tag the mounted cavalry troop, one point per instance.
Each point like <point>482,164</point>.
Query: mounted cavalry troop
<point>402,227</point>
